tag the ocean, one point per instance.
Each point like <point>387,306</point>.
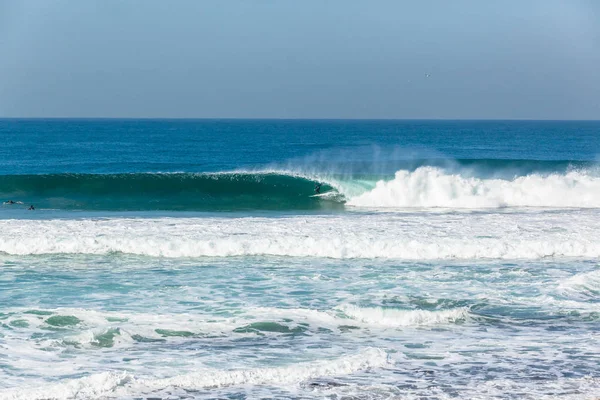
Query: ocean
<point>193,259</point>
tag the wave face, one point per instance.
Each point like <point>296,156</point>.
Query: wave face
<point>457,184</point>
<point>158,191</point>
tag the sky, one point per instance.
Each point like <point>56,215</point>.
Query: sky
<point>421,59</point>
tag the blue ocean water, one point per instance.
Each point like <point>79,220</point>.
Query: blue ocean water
<point>194,259</point>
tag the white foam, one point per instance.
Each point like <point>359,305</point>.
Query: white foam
<point>286,375</point>
<point>92,386</point>
<point>586,388</point>
<point>416,236</point>
<point>582,286</point>
<point>397,318</point>
<point>122,384</point>
<point>433,187</point>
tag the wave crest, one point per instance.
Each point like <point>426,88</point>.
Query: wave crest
<point>123,384</point>
<point>398,318</point>
<point>582,286</point>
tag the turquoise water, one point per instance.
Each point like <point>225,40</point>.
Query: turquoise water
<point>188,259</point>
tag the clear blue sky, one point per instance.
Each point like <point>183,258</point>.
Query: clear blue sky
<point>537,59</point>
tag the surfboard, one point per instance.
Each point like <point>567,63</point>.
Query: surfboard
<point>332,195</point>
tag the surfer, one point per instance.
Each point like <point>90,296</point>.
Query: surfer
<point>9,202</point>
<point>318,188</point>
<point>31,207</point>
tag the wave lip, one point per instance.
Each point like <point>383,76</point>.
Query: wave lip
<point>429,187</point>
<point>389,317</point>
<point>123,384</point>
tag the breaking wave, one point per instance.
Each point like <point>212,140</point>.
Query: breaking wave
<point>475,184</point>
<point>123,383</point>
<point>583,286</point>
<point>433,187</point>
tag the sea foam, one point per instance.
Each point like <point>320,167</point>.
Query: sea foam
<point>123,384</point>
<point>397,318</point>
<point>434,187</point>
<point>411,236</point>
<point>583,286</point>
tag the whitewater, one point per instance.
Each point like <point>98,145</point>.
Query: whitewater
<point>411,235</point>
<point>433,187</point>
<point>194,260</point>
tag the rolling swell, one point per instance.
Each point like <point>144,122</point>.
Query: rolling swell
<point>163,191</point>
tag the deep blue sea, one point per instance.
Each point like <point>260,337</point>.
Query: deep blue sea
<point>298,259</point>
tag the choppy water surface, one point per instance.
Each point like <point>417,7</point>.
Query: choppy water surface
<point>189,259</point>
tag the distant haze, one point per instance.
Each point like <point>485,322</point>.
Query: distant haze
<point>512,59</point>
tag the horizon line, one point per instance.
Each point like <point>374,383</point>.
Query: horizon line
<point>296,119</point>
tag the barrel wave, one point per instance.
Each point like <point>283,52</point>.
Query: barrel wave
<point>163,191</point>
<point>450,184</point>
